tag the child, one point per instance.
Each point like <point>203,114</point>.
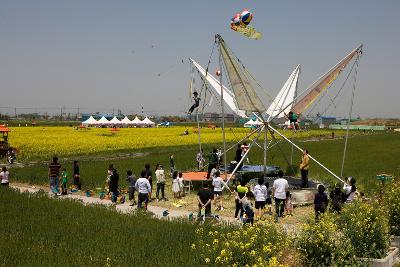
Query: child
<point>320,201</point>
<point>288,204</point>
<point>109,173</point>
<point>248,216</point>
<point>268,201</point>
<point>131,179</point>
<point>64,176</point>
<point>180,180</point>
<point>175,184</point>
<point>218,185</point>
<point>260,194</point>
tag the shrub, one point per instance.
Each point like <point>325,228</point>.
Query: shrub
<point>259,245</point>
<point>392,201</point>
<point>322,244</point>
<point>366,225</point>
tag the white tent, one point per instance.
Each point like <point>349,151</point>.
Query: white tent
<point>114,121</point>
<point>136,121</point>
<point>103,121</point>
<point>126,121</point>
<point>253,123</point>
<point>90,121</point>
<point>148,122</point>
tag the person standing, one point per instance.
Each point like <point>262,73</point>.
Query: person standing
<point>64,182</point>
<point>171,165</point>
<point>131,179</point>
<point>54,176</point>
<point>160,180</point>
<point>77,176</point>
<point>142,185</point>
<point>279,189</point>
<point>320,201</point>
<point>218,185</point>
<point>200,160</point>
<point>213,160</point>
<point>149,177</point>
<point>304,165</point>
<point>260,194</point>
<point>241,191</point>
<point>4,176</point>
<point>204,198</point>
<point>238,156</point>
<point>114,180</point>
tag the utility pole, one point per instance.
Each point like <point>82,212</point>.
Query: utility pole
<point>15,112</point>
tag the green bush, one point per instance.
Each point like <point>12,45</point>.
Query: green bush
<point>366,225</point>
<point>259,245</point>
<point>322,244</point>
<point>392,201</point>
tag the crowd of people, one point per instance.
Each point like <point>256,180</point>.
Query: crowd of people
<point>211,194</point>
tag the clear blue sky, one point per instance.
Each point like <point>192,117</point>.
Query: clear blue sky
<point>101,55</point>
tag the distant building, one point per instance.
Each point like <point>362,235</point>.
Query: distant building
<point>326,121</point>
<point>217,117</point>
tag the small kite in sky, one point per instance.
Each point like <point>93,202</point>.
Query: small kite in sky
<point>240,23</point>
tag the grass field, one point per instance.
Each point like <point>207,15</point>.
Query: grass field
<point>38,231</point>
<point>368,154</point>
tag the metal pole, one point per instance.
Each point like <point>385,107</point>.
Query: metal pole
<point>223,115</point>
<point>265,150</point>
<point>349,118</point>
<point>245,154</point>
<point>316,161</point>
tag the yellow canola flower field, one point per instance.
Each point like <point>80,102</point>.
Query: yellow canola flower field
<point>43,142</point>
<point>34,142</point>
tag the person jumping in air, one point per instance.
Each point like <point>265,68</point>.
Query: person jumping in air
<point>196,99</point>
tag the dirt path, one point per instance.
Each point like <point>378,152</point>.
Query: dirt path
<point>123,208</point>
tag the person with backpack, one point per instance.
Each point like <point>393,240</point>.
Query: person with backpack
<point>350,190</point>
<point>337,197</point>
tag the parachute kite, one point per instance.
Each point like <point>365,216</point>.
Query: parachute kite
<point>240,23</point>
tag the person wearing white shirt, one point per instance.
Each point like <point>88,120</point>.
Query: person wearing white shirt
<point>142,185</point>
<point>160,179</point>
<point>279,189</point>
<point>218,185</point>
<point>4,176</point>
<point>260,193</point>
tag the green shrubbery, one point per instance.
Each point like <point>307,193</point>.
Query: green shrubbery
<point>392,201</point>
<point>260,245</point>
<point>322,244</point>
<point>366,225</point>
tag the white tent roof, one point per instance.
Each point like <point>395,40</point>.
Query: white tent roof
<point>115,120</point>
<point>147,121</point>
<point>89,121</point>
<point>136,120</point>
<point>126,120</point>
<point>251,123</point>
<point>103,120</point>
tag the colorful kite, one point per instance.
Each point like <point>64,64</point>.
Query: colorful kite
<point>240,23</point>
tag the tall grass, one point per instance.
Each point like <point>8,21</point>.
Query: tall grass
<point>38,231</point>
